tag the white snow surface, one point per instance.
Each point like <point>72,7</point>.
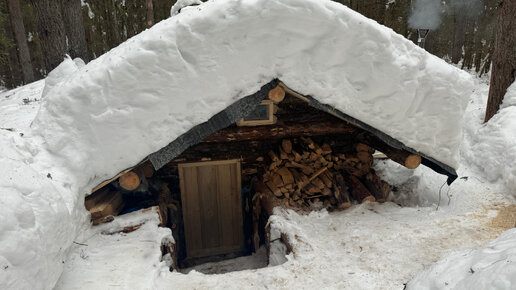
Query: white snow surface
<point>180,4</point>
<point>60,73</point>
<point>497,135</point>
<point>177,74</point>
<point>491,267</point>
<point>40,213</point>
<point>108,258</point>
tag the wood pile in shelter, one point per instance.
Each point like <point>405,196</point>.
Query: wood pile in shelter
<point>302,173</point>
<point>103,205</point>
<point>105,202</point>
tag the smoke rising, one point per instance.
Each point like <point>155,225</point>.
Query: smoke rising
<point>467,8</point>
<point>426,14</point>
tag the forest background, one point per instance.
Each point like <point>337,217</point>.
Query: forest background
<point>465,34</point>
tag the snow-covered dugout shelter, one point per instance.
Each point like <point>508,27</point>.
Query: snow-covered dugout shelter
<point>168,105</point>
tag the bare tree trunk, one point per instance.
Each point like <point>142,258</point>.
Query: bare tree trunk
<point>504,58</point>
<point>458,35</point>
<point>72,17</point>
<point>21,40</point>
<point>150,13</point>
<point>51,31</point>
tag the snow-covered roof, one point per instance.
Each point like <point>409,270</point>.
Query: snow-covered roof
<point>155,87</point>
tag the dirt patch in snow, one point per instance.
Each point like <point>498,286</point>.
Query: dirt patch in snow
<point>505,219</point>
<point>500,217</point>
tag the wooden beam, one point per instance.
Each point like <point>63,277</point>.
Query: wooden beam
<point>400,156</point>
<point>293,93</point>
<point>233,133</point>
<point>140,167</point>
<point>106,182</point>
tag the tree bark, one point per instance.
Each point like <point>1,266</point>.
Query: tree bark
<point>51,31</point>
<point>72,17</point>
<point>504,58</point>
<point>21,40</point>
<point>150,13</point>
<point>459,30</point>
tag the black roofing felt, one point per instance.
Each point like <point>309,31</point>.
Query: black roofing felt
<point>246,105</point>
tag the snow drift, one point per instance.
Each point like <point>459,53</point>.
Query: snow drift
<point>140,96</point>
<point>41,212</point>
<point>495,143</point>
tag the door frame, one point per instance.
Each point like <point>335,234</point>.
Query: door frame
<point>181,174</point>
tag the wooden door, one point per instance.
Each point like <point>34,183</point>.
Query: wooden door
<point>212,207</point>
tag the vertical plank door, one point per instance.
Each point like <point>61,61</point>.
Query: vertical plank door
<point>212,207</point>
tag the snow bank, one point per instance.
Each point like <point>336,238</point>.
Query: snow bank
<point>140,96</point>
<point>117,256</point>
<point>491,267</point>
<point>493,147</point>
<point>37,221</point>
<point>40,209</point>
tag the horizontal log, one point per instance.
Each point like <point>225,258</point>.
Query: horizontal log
<point>379,188</point>
<point>359,191</point>
<point>400,156</point>
<point>234,133</point>
<point>111,205</point>
<point>96,198</point>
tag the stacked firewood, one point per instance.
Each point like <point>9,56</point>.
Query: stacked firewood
<point>315,173</point>
<point>104,205</point>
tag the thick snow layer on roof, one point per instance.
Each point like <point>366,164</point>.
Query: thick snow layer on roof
<point>140,96</point>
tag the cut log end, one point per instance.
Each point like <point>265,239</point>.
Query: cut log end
<point>412,161</point>
<point>129,181</point>
<point>368,198</point>
<point>277,94</point>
